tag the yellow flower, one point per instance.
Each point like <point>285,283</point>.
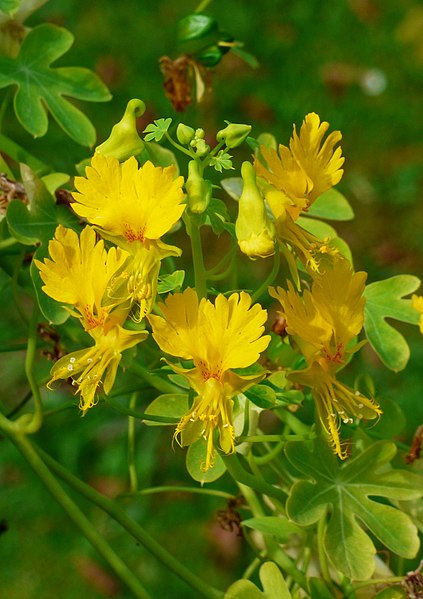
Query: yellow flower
<point>82,273</point>
<point>218,338</point>
<point>417,303</point>
<point>96,366</point>
<point>292,179</point>
<point>306,169</point>
<point>323,323</point>
<point>129,203</point>
<point>133,207</point>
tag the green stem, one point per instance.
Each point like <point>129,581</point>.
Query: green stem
<point>270,455</point>
<point>203,5</point>
<point>393,580</point>
<point>269,279</point>
<point>179,147</point>
<point>197,259</point>
<point>79,519</point>
<point>37,418</point>
<point>217,269</point>
<point>153,379</point>
<point>133,477</point>
<point>275,438</point>
<point>7,243</point>
<point>240,475</point>
<point>182,489</point>
<point>142,536</point>
<point>273,550</point>
<point>324,566</point>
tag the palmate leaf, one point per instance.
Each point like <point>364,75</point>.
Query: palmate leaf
<point>39,87</point>
<point>343,491</point>
<point>384,299</point>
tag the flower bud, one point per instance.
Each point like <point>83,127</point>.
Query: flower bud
<point>254,229</point>
<point>184,134</point>
<point>233,135</point>
<point>124,141</point>
<point>199,190</point>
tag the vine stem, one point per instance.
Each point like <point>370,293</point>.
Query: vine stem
<point>198,260</point>
<point>115,511</point>
<point>203,5</point>
<point>270,277</point>
<point>133,477</point>
<point>79,519</point>
<point>321,528</point>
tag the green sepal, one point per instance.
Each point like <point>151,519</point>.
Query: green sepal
<point>384,299</point>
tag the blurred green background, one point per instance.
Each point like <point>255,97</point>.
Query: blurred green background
<point>359,65</point>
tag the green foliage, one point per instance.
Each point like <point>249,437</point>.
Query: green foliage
<point>156,131</point>
<point>332,205</point>
<point>195,460</point>
<point>344,490</point>
<point>274,586</point>
<point>384,299</point>
<point>278,527</point>
<point>39,86</point>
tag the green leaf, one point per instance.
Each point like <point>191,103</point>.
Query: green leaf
<point>221,161</point>
<point>233,187</point>
<point>384,299</point>
<point>9,6</point>
<point>318,589</point>
<point>156,131</point>
<point>273,582</point>
<point>262,396</point>
<point>216,215</point>
<point>37,221</point>
<point>276,526</point>
<point>171,405</point>
<point>171,282</point>
<point>331,205</point>
<point>196,457</point>
<point>40,87</point>
<point>344,491</point>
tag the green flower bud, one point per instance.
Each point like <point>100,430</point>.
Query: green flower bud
<point>199,190</point>
<point>124,141</point>
<point>254,230</point>
<point>184,134</point>
<point>233,135</point>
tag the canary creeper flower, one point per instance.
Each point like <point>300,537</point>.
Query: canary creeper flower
<point>307,168</point>
<point>218,338</point>
<point>133,207</point>
<point>323,323</point>
<point>95,367</point>
<point>83,274</point>
<point>417,303</point>
<point>293,178</point>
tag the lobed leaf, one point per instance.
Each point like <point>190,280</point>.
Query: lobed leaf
<point>39,87</point>
<point>385,299</point>
<point>344,492</point>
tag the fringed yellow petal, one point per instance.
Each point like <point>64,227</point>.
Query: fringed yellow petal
<point>95,367</point>
<point>127,202</point>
